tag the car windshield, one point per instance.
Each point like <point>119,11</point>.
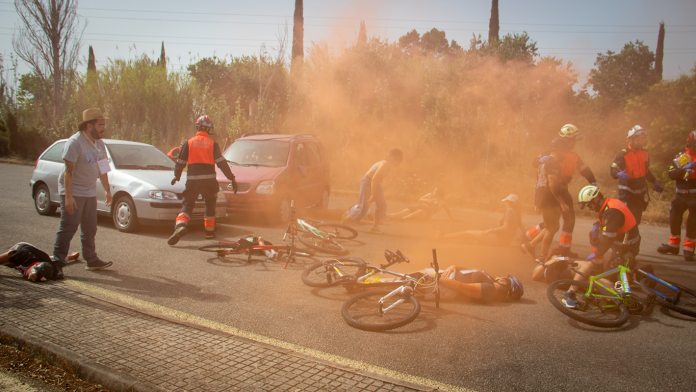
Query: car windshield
<point>139,157</point>
<point>258,153</point>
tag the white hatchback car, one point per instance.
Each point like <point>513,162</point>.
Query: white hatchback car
<point>140,180</point>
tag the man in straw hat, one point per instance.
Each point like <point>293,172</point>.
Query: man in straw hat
<point>85,162</point>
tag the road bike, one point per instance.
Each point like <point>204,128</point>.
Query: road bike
<point>607,306</point>
<point>376,309</point>
<point>320,235</point>
<point>248,247</point>
<point>385,309</point>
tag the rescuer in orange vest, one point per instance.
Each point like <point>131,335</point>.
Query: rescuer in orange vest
<point>174,153</point>
<point>632,168</point>
<point>615,220</point>
<point>683,171</point>
<point>201,153</point>
<point>571,164</point>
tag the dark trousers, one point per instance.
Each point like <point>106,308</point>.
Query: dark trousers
<point>85,216</point>
<point>208,190</point>
<point>680,204</point>
<point>635,203</point>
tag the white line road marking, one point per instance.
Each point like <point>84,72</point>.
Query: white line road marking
<point>189,318</point>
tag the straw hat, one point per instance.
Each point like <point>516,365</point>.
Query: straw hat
<point>91,114</point>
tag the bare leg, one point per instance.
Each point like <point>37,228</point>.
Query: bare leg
<point>5,258</point>
<point>399,214</point>
<point>74,256</point>
<point>270,253</point>
<point>418,215</point>
<point>538,238</point>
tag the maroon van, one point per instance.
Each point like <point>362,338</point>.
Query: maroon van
<point>272,169</point>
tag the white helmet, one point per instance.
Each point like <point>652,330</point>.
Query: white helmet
<point>587,194</point>
<point>637,131</point>
<point>570,131</point>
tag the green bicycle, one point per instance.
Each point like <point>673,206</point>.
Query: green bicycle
<point>602,305</point>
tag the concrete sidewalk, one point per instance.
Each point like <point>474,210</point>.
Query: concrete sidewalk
<point>125,348</point>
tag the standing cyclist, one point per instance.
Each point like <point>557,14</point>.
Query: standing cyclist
<point>569,166</point>
<point>632,168</point>
<point>202,154</point>
<point>685,199</point>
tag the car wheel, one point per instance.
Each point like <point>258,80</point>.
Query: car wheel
<point>42,201</point>
<point>124,215</point>
<point>324,201</point>
<point>283,211</point>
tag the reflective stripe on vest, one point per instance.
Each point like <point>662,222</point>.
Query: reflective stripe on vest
<point>200,149</point>
<point>686,191</point>
<point>629,219</point>
<point>201,177</point>
<point>636,191</point>
<point>569,164</point>
<point>635,163</point>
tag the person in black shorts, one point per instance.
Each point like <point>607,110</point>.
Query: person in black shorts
<point>33,263</point>
<point>426,207</point>
<point>458,283</point>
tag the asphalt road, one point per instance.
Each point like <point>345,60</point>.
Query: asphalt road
<point>508,346</point>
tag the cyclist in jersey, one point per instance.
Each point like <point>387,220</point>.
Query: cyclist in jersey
<point>426,207</point>
<point>498,236</point>
<point>371,191</point>
<point>33,263</point>
<point>458,283</point>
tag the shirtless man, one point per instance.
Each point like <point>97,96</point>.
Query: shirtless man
<point>371,191</point>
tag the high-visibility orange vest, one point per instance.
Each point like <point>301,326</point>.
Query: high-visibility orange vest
<point>171,152</point>
<point>629,219</point>
<point>569,164</point>
<point>635,162</point>
<point>200,149</point>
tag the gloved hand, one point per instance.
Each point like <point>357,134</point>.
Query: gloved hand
<point>233,185</point>
<point>689,166</point>
<point>592,256</point>
<point>623,175</point>
<point>174,181</point>
<point>657,187</point>
<point>544,158</point>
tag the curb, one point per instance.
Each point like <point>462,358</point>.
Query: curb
<point>15,162</point>
<point>74,363</point>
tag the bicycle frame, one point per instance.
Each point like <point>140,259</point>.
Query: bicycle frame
<point>664,283</point>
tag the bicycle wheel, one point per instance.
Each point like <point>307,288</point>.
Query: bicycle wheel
<point>667,297</point>
<point>316,274</point>
<point>326,246</point>
<point>363,311</point>
<point>593,311</point>
<point>339,231</point>
<point>217,248</point>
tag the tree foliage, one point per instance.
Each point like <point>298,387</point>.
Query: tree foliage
<point>621,76</point>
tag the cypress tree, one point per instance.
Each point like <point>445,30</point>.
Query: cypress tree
<point>362,35</point>
<point>91,63</point>
<point>163,58</point>
<point>298,33</point>
<point>660,52</point>
<point>494,25</point>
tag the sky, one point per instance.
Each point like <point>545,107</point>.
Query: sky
<point>572,31</point>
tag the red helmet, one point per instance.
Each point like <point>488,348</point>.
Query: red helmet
<point>205,122</point>
<point>692,137</point>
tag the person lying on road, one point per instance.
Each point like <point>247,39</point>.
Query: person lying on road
<point>426,207</point>
<point>499,236</point>
<point>32,262</point>
<point>458,282</point>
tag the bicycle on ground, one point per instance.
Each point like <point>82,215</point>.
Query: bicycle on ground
<point>606,306</point>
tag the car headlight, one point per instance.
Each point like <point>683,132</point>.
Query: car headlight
<point>266,187</point>
<point>163,195</point>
